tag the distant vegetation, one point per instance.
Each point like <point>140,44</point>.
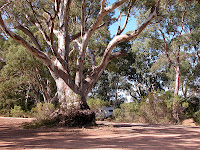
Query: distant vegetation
<point>157,108</point>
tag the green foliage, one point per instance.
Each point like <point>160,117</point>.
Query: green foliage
<point>43,111</point>
<point>178,20</point>
<point>154,108</point>
<point>24,80</point>
<point>197,116</point>
<point>157,108</point>
<point>128,112</point>
<point>17,112</point>
<point>102,88</point>
<point>95,104</point>
<point>193,109</point>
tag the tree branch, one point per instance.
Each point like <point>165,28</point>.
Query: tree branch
<point>36,52</point>
<point>85,39</point>
<point>83,17</point>
<point>92,57</point>
<point>165,49</point>
<point>116,55</point>
<point>49,40</point>
<point>30,34</point>
<point>75,36</point>
<point>63,36</point>
<point>38,25</point>
<point>197,53</point>
<point>94,76</point>
<point>119,23</point>
<point>114,6</point>
<point>5,5</point>
<point>26,31</point>
<point>120,30</point>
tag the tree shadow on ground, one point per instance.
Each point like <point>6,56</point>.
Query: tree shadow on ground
<point>149,137</point>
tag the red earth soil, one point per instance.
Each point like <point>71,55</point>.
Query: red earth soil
<point>107,136</point>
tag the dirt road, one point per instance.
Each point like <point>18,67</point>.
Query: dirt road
<point>110,137</point>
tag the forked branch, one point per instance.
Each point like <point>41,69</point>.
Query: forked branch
<point>94,76</point>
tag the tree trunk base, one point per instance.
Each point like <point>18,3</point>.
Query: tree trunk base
<point>176,112</point>
<point>76,119</point>
<point>73,117</point>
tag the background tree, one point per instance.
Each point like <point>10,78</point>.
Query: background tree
<point>24,80</point>
<point>167,35</point>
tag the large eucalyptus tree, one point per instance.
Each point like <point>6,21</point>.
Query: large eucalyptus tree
<point>67,28</point>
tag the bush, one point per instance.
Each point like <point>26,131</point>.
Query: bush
<point>42,111</point>
<point>154,108</point>
<point>156,113</point>
<point>193,107</point>
<point>17,112</point>
<point>95,104</point>
<point>128,112</point>
<point>157,108</point>
<point>196,117</point>
<point>5,112</point>
<point>119,114</point>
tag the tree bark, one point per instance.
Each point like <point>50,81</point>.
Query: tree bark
<point>73,109</point>
<point>116,93</point>
<point>197,54</point>
<point>177,80</point>
<point>175,101</point>
<point>68,97</point>
<point>67,93</point>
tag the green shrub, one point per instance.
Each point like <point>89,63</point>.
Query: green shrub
<point>17,112</point>
<point>5,112</point>
<point>154,108</point>
<point>128,112</point>
<point>192,108</point>
<point>155,113</point>
<point>42,111</point>
<point>95,104</point>
<point>119,114</point>
<point>196,117</point>
<point>157,108</point>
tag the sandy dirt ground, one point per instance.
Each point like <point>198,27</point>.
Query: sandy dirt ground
<point>110,136</point>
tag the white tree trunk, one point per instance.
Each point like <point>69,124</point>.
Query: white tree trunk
<point>175,102</point>
<point>177,80</point>
<point>67,95</point>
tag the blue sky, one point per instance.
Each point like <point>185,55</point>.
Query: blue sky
<point>130,26</point>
